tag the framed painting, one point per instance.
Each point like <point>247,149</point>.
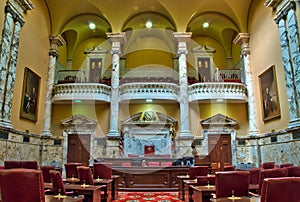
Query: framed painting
<point>30,92</point>
<point>269,94</point>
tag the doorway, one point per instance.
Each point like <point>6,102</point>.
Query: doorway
<point>79,148</point>
<point>219,147</point>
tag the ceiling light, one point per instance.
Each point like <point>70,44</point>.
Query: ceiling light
<point>205,25</point>
<point>149,24</point>
<point>149,100</point>
<point>92,26</point>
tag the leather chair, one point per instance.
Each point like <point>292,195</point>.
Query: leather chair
<point>102,170</point>
<point>271,173</point>
<point>229,168</point>
<point>12,164</point>
<point>46,174</point>
<point>285,165</point>
<point>24,185</point>
<point>293,171</point>
<point>205,180</point>
<point>195,171</point>
<point>30,165</point>
<point>280,189</point>
<point>58,186</point>
<point>85,175</point>
<point>254,175</point>
<point>232,182</point>
<point>268,165</point>
<point>71,169</point>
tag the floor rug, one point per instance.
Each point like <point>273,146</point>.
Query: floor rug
<point>147,196</point>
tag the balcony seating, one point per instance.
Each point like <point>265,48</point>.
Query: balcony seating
<point>195,171</point>
<point>133,155</point>
<point>271,173</point>
<point>102,170</point>
<point>232,182</point>
<point>71,170</point>
<point>153,164</point>
<point>280,189</point>
<point>58,186</point>
<point>285,165</point>
<point>229,168</point>
<point>293,171</point>
<point>46,174</point>
<point>24,184</point>
<point>85,175</point>
<point>21,164</point>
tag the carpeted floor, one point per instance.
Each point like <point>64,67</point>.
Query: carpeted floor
<point>147,196</point>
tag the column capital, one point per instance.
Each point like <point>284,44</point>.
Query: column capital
<point>117,39</point>
<point>55,41</point>
<point>182,38</point>
<point>281,6</point>
<point>243,40</point>
<point>20,6</point>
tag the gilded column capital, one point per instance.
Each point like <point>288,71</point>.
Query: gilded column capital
<point>117,39</point>
<point>243,40</point>
<point>55,42</point>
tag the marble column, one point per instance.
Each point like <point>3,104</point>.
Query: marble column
<point>117,39</point>
<point>243,40</point>
<point>55,42</point>
<point>289,41</point>
<point>182,39</point>
<point>9,54</point>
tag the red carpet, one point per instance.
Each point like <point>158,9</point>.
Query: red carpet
<point>147,196</point>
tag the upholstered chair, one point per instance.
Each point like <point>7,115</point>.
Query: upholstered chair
<point>293,171</point>
<point>12,164</point>
<point>229,168</point>
<point>268,165</point>
<point>271,173</point>
<point>195,171</point>
<point>280,189</point>
<point>58,186</point>
<point>102,170</point>
<point>46,174</point>
<point>205,180</point>
<point>85,175</point>
<point>230,183</point>
<point>254,175</point>
<point>30,165</point>
<point>24,185</point>
<point>71,169</point>
<point>285,165</point>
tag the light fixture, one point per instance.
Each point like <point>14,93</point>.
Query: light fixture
<point>219,100</point>
<point>148,24</point>
<point>77,101</point>
<point>205,25</point>
<point>149,100</point>
<point>92,25</point>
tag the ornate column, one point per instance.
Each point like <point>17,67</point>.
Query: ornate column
<point>243,40</point>
<point>182,39</point>
<point>9,54</point>
<point>117,39</point>
<point>55,42</point>
<point>289,41</point>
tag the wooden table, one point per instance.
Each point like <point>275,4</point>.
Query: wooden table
<point>237,199</point>
<point>187,190</point>
<point>88,190</point>
<point>181,185</point>
<point>108,190</point>
<point>53,198</point>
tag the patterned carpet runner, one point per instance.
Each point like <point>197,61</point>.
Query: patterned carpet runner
<point>147,196</point>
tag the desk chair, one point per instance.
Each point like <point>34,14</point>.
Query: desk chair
<point>293,171</point>
<point>271,173</point>
<point>280,189</point>
<point>195,171</point>
<point>102,170</point>
<point>26,185</point>
<point>228,182</point>
<point>58,186</point>
<point>85,175</point>
<point>46,174</point>
<point>71,169</point>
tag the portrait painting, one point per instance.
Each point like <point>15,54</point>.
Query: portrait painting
<point>30,92</point>
<point>269,94</point>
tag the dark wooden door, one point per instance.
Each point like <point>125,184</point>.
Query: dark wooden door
<point>219,148</point>
<point>79,148</point>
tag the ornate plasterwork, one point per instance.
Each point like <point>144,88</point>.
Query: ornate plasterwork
<point>79,122</point>
<point>219,122</point>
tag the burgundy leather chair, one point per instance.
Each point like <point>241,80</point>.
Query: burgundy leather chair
<point>271,173</point>
<point>58,186</point>
<point>280,189</point>
<point>285,165</point>
<point>268,165</point>
<point>71,169</point>
<point>24,185</point>
<point>85,175</point>
<point>12,164</point>
<point>102,170</point>
<point>229,168</point>
<point>46,174</point>
<point>195,171</point>
<point>293,171</point>
<point>205,180</point>
<point>254,175</point>
<point>30,165</point>
<point>232,182</point>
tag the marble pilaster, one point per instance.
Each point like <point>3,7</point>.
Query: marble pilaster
<point>243,40</point>
<point>55,42</point>
<point>116,39</point>
<point>182,39</point>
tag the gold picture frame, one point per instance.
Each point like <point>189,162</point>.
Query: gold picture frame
<point>30,95</point>
<point>269,94</point>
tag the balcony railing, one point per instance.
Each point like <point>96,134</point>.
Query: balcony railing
<point>81,91</point>
<point>217,91</point>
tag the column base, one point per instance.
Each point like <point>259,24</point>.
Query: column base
<point>294,123</point>
<point>46,133</point>
<point>113,133</point>
<point>185,133</point>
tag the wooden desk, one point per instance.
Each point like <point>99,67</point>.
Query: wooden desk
<point>187,190</point>
<point>181,185</point>
<point>201,191</point>
<point>52,198</point>
<point>88,190</point>
<point>108,188</point>
<point>71,180</point>
<point>237,199</point>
